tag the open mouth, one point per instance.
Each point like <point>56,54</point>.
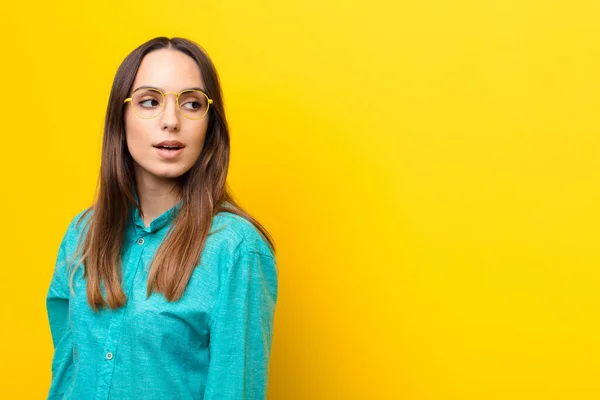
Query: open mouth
<point>172,148</point>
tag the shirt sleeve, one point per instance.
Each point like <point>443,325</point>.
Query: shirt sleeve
<point>57,306</point>
<point>241,333</point>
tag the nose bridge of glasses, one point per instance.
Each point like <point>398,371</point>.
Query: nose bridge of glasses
<point>176,98</point>
<point>165,99</point>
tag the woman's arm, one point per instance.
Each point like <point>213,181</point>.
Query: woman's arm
<point>57,305</point>
<point>241,333</point>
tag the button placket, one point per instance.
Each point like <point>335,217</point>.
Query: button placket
<point>106,370</point>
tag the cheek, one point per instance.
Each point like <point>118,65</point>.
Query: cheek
<point>195,144</point>
<point>136,138</point>
<point>196,139</point>
<point>198,143</point>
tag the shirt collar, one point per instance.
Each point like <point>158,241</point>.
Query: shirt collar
<point>159,222</point>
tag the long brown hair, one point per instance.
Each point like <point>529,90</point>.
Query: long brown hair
<point>204,192</point>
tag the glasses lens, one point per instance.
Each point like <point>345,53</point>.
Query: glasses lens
<point>147,103</point>
<point>193,104</point>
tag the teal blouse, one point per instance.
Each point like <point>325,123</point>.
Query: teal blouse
<point>213,343</point>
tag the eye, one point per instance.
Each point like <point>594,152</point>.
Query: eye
<point>144,103</point>
<point>193,105</point>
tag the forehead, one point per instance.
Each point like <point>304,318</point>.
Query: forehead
<point>168,69</point>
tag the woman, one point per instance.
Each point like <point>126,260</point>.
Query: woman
<point>164,288</point>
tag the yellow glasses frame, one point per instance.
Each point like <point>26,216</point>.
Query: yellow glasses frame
<point>164,95</point>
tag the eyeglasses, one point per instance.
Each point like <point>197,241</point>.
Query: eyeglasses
<point>148,103</point>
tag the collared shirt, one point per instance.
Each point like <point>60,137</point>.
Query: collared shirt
<point>213,343</point>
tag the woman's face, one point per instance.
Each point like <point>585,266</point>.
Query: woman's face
<point>170,71</point>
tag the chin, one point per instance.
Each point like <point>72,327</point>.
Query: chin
<point>169,174</point>
<point>163,170</point>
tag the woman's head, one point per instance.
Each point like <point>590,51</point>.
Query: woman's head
<point>172,72</point>
<point>130,138</point>
<point>199,171</point>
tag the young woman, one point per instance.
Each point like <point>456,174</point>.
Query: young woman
<point>164,288</point>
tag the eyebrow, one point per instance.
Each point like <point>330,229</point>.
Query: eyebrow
<point>154,87</point>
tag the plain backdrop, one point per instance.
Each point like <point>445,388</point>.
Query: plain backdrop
<point>429,170</point>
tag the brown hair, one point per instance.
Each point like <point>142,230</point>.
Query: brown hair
<point>203,189</point>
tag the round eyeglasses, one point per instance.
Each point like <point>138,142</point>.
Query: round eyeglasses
<point>149,102</point>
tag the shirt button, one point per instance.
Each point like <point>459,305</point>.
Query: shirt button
<point>141,241</point>
<point>109,356</point>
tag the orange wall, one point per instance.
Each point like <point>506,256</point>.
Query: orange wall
<point>429,170</point>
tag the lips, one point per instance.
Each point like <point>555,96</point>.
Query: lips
<point>170,145</point>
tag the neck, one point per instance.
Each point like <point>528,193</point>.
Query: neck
<point>156,195</point>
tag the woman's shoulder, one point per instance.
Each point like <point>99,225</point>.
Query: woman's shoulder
<point>238,233</point>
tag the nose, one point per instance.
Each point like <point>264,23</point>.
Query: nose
<point>170,115</point>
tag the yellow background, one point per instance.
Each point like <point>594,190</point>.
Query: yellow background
<point>429,170</point>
